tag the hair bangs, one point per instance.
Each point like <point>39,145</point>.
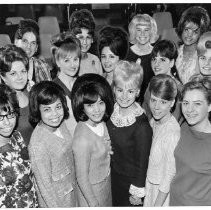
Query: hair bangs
<point>90,96</point>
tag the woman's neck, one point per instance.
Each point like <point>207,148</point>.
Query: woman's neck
<point>67,80</point>
<point>141,49</point>
<point>189,50</point>
<point>23,99</point>
<point>128,110</point>
<point>84,55</point>
<point>204,126</point>
<point>4,140</point>
<point>109,77</point>
<point>164,119</point>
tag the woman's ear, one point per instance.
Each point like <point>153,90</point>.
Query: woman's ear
<point>138,92</point>
<point>172,103</point>
<point>53,52</point>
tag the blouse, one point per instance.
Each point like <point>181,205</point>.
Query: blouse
<point>16,186</point>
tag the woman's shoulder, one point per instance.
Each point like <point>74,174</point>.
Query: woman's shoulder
<point>93,57</point>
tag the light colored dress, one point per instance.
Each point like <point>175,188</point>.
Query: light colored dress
<point>52,163</point>
<point>186,69</point>
<point>90,64</point>
<point>161,168</point>
<point>94,185</point>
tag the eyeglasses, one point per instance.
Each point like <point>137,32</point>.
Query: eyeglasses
<point>11,115</point>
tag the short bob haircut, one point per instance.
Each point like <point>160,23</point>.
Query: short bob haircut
<point>8,100</point>
<point>202,84</point>
<point>45,93</point>
<point>25,26</point>
<point>86,90</point>
<point>63,44</point>
<point>204,43</point>
<point>10,54</point>
<point>116,39</point>
<point>163,86</point>
<point>126,71</point>
<point>165,48</point>
<point>82,19</point>
<point>140,19</point>
<point>197,15</point>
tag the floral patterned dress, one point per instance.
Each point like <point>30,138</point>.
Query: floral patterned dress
<point>16,187</point>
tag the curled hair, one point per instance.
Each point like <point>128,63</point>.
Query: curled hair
<point>163,86</point>
<point>204,43</point>
<point>126,71</point>
<point>82,19</point>
<point>202,84</point>
<point>25,26</point>
<point>138,19</point>
<point>45,93</point>
<point>8,100</point>
<point>116,39</point>
<point>10,54</point>
<point>86,90</point>
<point>197,15</point>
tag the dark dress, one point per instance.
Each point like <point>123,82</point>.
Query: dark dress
<point>148,73</point>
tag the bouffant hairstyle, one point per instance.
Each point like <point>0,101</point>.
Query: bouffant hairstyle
<point>197,15</point>
<point>163,86</point>
<point>45,92</point>
<point>82,19</point>
<point>9,54</point>
<point>63,44</point>
<point>8,100</point>
<point>204,43</point>
<point>116,39</point>
<point>126,71</point>
<point>140,19</point>
<point>25,26</point>
<point>86,90</point>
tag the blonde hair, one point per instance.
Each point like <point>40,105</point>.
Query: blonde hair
<point>137,19</point>
<point>204,43</point>
<point>126,71</point>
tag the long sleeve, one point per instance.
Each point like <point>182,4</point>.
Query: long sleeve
<point>169,169</point>
<point>82,156</point>
<point>143,140</point>
<point>41,166</point>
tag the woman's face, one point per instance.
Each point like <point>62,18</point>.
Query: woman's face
<point>108,59</point>
<point>17,77</point>
<point>143,33</point>
<point>195,108</point>
<point>85,39</point>
<point>7,123</point>
<point>70,64</point>
<point>161,65</point>
<point>125,93</point>
<point>29,44</point>
<point>95,111</point>
<point>52,115</point>
<point>191,33</point>
<point>205,63</point>
<point>160,108</point>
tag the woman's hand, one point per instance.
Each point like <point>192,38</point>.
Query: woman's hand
<point>134,200</point>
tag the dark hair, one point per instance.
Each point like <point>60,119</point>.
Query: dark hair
<point>116,39</point>
<point>45,92</point>
<point>163,86</point>
<point>86,90</point>
<point>8,100</point>
<point>82,19</point>
<point>9,54</point>
<point>196,14</point>
<point>28,25</point>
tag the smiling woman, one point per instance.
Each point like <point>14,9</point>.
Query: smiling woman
<point>50,147</point>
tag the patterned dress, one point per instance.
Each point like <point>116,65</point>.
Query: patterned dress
<point>16,186</point>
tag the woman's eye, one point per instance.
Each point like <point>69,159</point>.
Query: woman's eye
<point>163,59</point>
<point>163,102</point>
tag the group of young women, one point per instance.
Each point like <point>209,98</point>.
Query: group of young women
<point>130,128</point>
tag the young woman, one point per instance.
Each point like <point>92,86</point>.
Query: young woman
<point>92,103</point>
<point>82,24</point>
<point>50,147</point>
<point>163,58</point>
<point>14,66</point>
<point>142,34</point>
<point>67,53</point>
<point>166,134</point>
<point>191,184</point>
<point>192,24</point>
<point>131,137</point>
<point>112,47</point>
<point>17,189</point>
<point>27,37</point>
